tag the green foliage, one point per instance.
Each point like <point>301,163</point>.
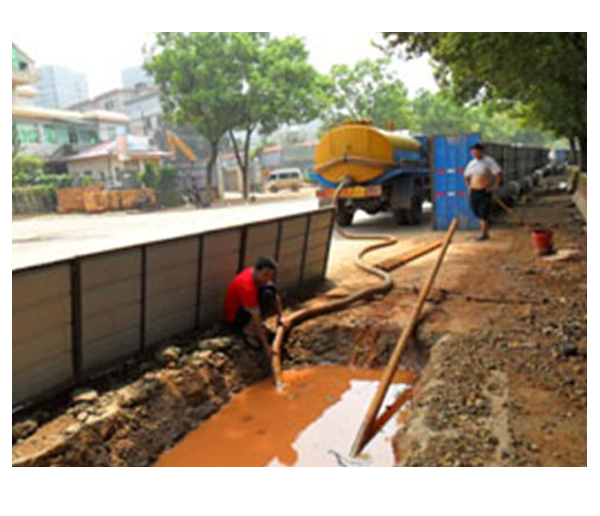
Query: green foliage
<point>55,180</point>
<point>86,180</point>
<point>16,143</point>
<point>541,74</point>
<point>27,164</point>
<point>24,166</point>
<point>167,188</point>
<point>220,82</point>
<point>150,176</point>
<point>33,199</point>
<point>369,90</point>
<point>198,83</point>
<point>435,113</point>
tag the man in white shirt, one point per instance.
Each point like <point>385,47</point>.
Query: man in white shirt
<point>482,176</point>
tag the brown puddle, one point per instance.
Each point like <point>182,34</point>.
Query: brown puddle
<point>312,422</point>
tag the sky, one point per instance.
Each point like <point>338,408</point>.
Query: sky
<point>103,58</point>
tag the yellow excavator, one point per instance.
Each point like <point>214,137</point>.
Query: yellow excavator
<point>175,142</point>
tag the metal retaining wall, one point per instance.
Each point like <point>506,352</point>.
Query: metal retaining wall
<point>76,317</point>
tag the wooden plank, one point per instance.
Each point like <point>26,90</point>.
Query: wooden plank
<point>366,428</point>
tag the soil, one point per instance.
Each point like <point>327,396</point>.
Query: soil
<point>501,349</point>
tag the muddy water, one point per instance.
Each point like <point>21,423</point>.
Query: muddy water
<point>311,422</point>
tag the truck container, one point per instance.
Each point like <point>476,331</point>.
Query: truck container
<point>387,171</point>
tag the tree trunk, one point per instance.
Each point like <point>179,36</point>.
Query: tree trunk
<point>214,151</point>
<point>573,148</point>
<point>247,162</point>
<point>243,163</point>
<point>582,140</point>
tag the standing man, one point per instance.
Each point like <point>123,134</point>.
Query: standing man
<point>483,176</point>
<point>252,296</point>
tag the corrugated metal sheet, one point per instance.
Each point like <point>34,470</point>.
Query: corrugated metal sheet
<point>84,314</point>
<point>111,292</point>
<point>450,158</point>
<point>171,285</point>
<point>41,332</point>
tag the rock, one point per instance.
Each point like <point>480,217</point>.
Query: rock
<point>203,356</point>
<point>218,359</point>
<point>82,416</point>
<point>23,429</point>
<point>72,429</point>
<point>518,345</point>
<point>567,349</point>
<point>216,344</point>
<point>168,355</point>
<point>85,396</point>
<point>137,394</point>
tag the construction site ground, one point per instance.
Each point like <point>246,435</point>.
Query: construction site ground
<point>500,351</point>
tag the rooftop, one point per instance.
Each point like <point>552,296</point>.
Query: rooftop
<point>40,113</point>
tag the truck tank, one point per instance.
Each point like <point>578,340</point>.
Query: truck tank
<point>362,152</point>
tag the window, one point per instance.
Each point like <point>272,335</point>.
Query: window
<point>28,133</point>
<point>63,135</point>
<point>72,136</point>
<point>87,136</point>
<point>50,135</point>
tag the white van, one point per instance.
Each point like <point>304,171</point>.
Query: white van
<point>285,178</point>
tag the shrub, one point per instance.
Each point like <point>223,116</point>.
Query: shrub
<point>55,180</point>
<point>24,166</point>
<point>167,189</point>
<point>33,199</point>
<point>150,177</point>
<point>87,181</point>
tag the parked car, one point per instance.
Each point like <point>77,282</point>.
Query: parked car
<point>285,178</point>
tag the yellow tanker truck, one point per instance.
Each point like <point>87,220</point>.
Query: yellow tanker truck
<point>388,172</point>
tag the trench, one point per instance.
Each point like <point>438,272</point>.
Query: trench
<point>331,372</point>
<point>216,404</point>
<point>312,421</point>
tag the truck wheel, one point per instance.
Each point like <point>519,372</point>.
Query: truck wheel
<point>343,215</point>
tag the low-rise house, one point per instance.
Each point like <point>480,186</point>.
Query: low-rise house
<point>44,132</point>
<point>117,163</point>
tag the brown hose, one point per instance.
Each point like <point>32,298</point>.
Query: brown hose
<point>308,313</point>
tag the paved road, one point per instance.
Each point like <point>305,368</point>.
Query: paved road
<point>55,237</point>
<point>48,238</point>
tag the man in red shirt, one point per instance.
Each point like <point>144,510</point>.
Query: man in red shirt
<point>250,296</point>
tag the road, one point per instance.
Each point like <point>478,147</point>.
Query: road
<point>48,238</point>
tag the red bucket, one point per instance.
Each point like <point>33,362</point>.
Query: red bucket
<point>542,241</point>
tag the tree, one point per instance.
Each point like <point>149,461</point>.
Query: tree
<point>542,73</point>
<point>24,168</point>
<point>435,113</point>
<point>199,84</point>
<point>369,90</point>
<point>234,82</point>
<point>278,86</point>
